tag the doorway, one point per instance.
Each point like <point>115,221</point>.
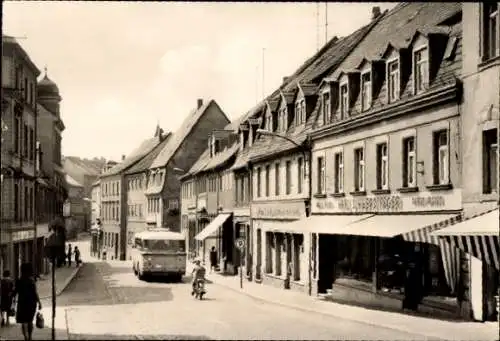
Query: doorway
<point>326,262</point>
<point>259,255</point>
<point>117,245</point>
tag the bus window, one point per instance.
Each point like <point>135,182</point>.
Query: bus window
<point>165,245</point>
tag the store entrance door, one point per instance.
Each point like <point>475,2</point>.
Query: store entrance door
<point>326,262</point>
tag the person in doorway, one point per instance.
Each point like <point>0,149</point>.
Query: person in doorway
<point>6,297</point>
<point>69,255</point>
<point>77,256</point>
<point>413,287</point>
<point>27,300</point>
<point>213,259</point>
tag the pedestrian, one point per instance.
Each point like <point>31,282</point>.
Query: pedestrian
<point>69,255</point>
<point>27,299</point>
<point>77,256</point>
<point>213,259</point>
<point>413,287</point>
<point>6,296</point>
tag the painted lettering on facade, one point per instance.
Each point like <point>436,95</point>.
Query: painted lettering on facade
<point>390,203</point>
<point>277,211</point>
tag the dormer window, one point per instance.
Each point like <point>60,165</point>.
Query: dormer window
<point>490,30</point>
<point>366,91</point>
<point>421,71</point>
<point>344,101</point>
<point>300,112</point>
<point>393,80</point>
<point>269,122</point>
<point>282,123</point>
<point>326,106</point>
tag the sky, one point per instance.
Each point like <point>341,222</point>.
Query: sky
<point>124,67</point>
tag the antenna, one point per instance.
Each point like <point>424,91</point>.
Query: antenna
<point>263,72</point>
<point>326,22</point>
<point>317,26</point>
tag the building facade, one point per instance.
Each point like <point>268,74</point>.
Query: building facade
<point>184,148</point>
<point>18,153</point>
<point>386,163</point>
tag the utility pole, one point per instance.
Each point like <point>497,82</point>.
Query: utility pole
<point>326,22</point>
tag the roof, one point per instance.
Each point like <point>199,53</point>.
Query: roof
<point>72,182</point>
<point>11,40</point>
<point>160,234</point>
<point>137,154</point>
<point>397,28</point>
<point>180,135</point>
<point>147,160</point>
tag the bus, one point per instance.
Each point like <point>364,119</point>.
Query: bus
<point>159,253</point>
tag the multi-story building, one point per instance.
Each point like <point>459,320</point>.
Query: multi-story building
<point>136,179</point>
<point>78,212</point>
<point>18,153</point>
<point>114,200</point>
<point>211,207</point>
<point>183,149</point>
<point>95,217</point>
<point>51,190</point>
<point>386,162</point>
<point>478,234</point>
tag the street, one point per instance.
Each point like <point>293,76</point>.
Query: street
<point>106,301</point>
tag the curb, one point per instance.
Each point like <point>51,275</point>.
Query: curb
<point>329,314</point>
<point>68,280</point>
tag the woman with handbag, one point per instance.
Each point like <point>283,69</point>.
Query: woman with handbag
<point>6,296</point>
<point>27,299</point>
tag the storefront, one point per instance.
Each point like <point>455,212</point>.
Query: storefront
<point>243,229</point>
<point>281,255</point>
<point>367,247</point>
<point>22,242</point>
<point>478,236</point>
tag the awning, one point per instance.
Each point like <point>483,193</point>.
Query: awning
<point>478,236</point>
<point>42,182</point>
<point>213,226</point>
<point>323,224</point>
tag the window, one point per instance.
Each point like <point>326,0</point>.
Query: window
<point>393,80</point>
<point>288,177</point>
<point>359,170</point>
<point>284,120</point>
<point>321,175</point>
<point>409,162</point>
<point>344,101</point>
<point>27,204</point>
<point>420,74</point>
<point>277,179</point>
<point>25,141</point>
<point>339,172</point>
<point>258,183</point>
<point>32,145</point>
<point>490,163</point>
<point>382,167</point>
<point>17,135</point>
<point>267,180</point>
<point>269,122</point>
<point>300,174</point>
<point>490,35</point>
<point>298,113</point>
<point>366,91</point>
<point>326,107</point>
<point>441,158</point>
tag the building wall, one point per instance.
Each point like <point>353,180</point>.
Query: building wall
<point>421,126</point>
<point>481,83</point>
<point>111,212</point>
<point>136,206</point>
<point>96,203</point>
<point>226,190</point>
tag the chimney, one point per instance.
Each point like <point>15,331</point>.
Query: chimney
<point>375,12</point>
<point>123,157</point>
<point>199,103</point>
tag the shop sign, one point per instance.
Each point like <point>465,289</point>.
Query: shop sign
<point>390,203</point>
<point>294,210</point>
<point>22,235</point>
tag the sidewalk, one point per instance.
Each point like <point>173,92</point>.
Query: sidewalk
<point>412,324</point>
<point>64,275</point>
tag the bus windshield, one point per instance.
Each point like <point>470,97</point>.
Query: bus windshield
<point>164,245</point>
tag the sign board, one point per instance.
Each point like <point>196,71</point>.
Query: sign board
<point>411,202</point>
<point>240,243</point>
<point>275,210</point>
<point>22,235</point>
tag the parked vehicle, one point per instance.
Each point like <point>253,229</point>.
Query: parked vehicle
<point>159,252</point>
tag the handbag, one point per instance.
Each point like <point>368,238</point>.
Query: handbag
<point>40,322</point>
<point>12,310</point>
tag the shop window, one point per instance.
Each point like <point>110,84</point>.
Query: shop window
<point>409,162</point>
<point>280,243</point>
<point>359,170</point>
<point>441,158</point>
<point>355,258</point>
<point>490,161</point>
<point>270,246</point>
<point>382,166</point>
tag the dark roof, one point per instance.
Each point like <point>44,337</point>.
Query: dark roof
<point>144,164</point>
<point>220,158</point>
<point>398,28</point>
<point>309,89</point>
<point>180,135</point>
<point>137,154</point>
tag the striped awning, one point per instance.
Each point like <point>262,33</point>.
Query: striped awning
<point>478,236</point>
